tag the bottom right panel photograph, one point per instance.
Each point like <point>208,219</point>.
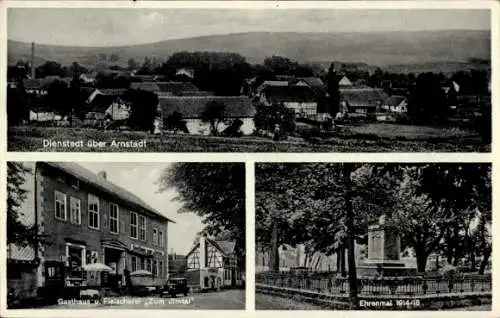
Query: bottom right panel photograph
<point>373,236</point>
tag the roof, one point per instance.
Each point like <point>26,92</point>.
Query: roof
<point>315,83</point>
<point>363,97</point>
<point>394,100</point>
<point>102,102</point>
<point>193,106</point>
<point>226,246</point>
<point>104,185</point>
<point>112,91</point>
<point>278,94</point>
<point>174,87</point>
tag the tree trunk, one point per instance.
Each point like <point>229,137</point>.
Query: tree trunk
<point>274,261</point>
<point>472,258</point>
<point>421,259</point>
<point>353,282</point>
<point>342,262</point>
<point>484,262</point>
<point>339,265</point>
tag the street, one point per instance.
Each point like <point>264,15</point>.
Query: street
<point>227,299</point>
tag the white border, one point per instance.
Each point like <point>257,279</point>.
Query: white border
<point>250,159</point>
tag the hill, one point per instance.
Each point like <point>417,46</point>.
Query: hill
<point>380,48</point>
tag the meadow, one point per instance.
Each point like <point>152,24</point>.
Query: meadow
<point>375,137</point>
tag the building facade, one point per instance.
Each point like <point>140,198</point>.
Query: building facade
<point>213,265</point>
<point>83,218</point>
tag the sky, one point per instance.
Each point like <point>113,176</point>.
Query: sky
<point>109,27</point>
<point>140,179</point>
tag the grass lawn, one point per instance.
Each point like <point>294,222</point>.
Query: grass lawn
<point>365,138</point>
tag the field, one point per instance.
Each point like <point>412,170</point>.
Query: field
<point>365,138</point>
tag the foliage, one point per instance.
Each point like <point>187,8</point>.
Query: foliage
<point>59,97</point>
<point>132,64</point>
<point>17,232</point>
<point>17,105</point>
<point>427,102</point>
<point>215,192</point>
<point>424,202</point>
<point>174,122</point>
<point>267,117</point>
<point>51,68</point>
<point>214,113</point>
<point>143,109</point>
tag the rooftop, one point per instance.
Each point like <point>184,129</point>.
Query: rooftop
<point>107,186</point>
<point>193,106</point>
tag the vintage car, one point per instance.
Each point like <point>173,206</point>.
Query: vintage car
<point>175,286</point>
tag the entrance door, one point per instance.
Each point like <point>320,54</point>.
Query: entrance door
<point>113,258</point>
<point>54,279</point>
<point>233,277</point>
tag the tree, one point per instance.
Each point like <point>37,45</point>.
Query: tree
<point>59,98</point>
<point>17,105</point>
<point>427,101</point>
<point>76,69</point>
<point>216,193</point>
<point>214,113</point>
<point>174,122</point>
<point>17,232</point>
<point>114,58</point>
<point>50,68</point>
<point>143,109</point>
<point>333,91</point>
<point>267,117</point>
<point>281,65</point>
<point>132,64</point>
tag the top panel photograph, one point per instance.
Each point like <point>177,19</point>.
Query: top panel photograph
<point>248,80</point>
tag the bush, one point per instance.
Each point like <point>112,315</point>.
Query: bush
<point>448,271</point>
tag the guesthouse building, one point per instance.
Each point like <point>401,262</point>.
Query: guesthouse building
<point>84,218</point>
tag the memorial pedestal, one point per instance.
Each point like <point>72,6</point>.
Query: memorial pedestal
<point>384,249</point>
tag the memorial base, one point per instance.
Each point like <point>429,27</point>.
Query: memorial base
<point>385,269</point>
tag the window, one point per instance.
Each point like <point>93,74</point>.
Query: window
<point>93,212</point>
<point>60,205</point>
<point>75,210</point>
<point>113,219</point>
<point>142,228</point>
<point>143,263</point>
<point>160,268</point>
<point>133,225</point>
<point>160,238</point>
<point>148,265</point>
<point>134,263</point>
<point>155,237</point>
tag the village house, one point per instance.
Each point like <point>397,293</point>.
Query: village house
<point>192,107</point>
<point>395,104</point>
<point>361,102</point>
<point>302,99</point>
<point>212,264</point>
<point>111,107</point>
<point>83,219</point>
<point>43,114</point>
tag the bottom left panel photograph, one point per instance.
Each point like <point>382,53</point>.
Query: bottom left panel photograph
<point>116,235</point>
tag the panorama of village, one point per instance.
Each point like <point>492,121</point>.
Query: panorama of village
<point>124,236</point>
<point>373,236</point>
<point>402,91</point>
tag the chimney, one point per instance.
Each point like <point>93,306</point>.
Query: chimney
<point>103,174</point>
<point>33,60</point>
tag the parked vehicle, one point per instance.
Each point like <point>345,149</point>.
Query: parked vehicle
<point>176,286</point>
